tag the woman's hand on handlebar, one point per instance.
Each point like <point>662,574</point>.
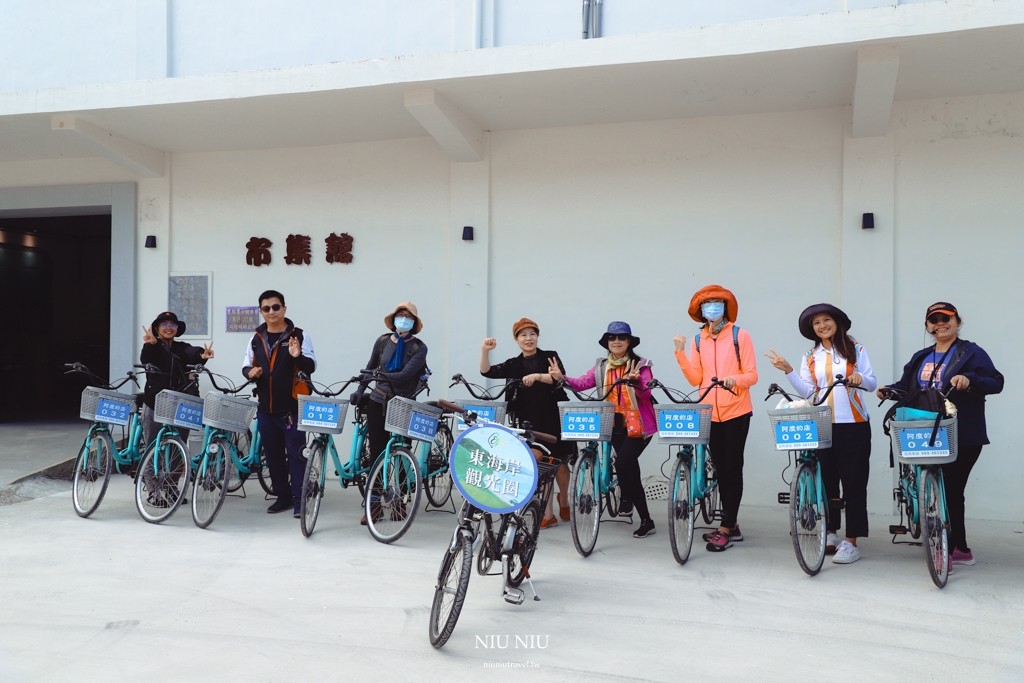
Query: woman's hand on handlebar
<point>780,363</point>
<point>729,383</point>
<point>554,370</point>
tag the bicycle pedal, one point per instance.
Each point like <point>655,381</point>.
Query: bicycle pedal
<point>514,596</point>
<point>784,498</point>
<point>897,529</point>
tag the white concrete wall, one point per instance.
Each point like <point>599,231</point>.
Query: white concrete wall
<point>57,43</point>
<point>589,224</point>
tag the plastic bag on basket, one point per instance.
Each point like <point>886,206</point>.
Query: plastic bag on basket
<point>789,405</point>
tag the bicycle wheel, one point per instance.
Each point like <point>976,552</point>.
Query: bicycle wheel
<point>710,503</point>
<point>910,502</point>
<point>312,488</point>
<point>681,512</point>
<point>393,495</point>
<point>162,480</point>
<point>236,478</point>
<point>807,518</point>
<point>485,554</point>
<point>524,544</point>
<point>450,591</point>
<point>439,485</point>
<point>209,488</point>
<point>933,525</point>
<point>584,504</point>
<point>613,499</point>
<point>92,473</point>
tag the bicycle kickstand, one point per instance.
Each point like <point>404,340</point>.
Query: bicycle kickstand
<point>527,573</point>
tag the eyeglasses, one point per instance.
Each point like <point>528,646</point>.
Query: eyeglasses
<point>167,323</point>
<point>618,337</point>
<point>936,318</point>
<point>273,307</point>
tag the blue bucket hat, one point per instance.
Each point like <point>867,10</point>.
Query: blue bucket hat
<point>619,327</point>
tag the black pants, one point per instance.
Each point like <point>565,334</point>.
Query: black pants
<point>955,476</point>
<point>282,447</point>
<point>627,466</point>
<point>848,462</point>
<point>728,439</point>
<point>375,432</point>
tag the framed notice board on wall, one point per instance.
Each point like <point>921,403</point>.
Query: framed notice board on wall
<point>190,296</point>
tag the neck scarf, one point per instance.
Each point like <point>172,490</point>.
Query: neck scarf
<point>715,328</point>
<point>615,369</point>
<point>395,364</point>
<point>614,362</point>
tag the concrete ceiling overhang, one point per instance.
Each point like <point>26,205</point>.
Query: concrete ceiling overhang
<point>971,47</point>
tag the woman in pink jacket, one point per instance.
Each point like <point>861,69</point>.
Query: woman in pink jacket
<point>724,351</point>
<point>635,423</point>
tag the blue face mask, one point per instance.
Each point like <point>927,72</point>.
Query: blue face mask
<point>403,324</point>
<point>713,310</point>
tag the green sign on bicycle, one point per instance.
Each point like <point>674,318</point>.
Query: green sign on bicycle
<point>493,469</point>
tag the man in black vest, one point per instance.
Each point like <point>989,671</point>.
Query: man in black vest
<point>277,353</point>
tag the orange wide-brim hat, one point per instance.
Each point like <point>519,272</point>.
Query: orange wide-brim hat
<point>713,292</point>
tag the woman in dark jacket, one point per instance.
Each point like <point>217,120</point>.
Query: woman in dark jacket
<point>964,366</point>
<point>534,401</point>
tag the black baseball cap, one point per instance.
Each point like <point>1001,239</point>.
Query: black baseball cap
<point>942,307</point>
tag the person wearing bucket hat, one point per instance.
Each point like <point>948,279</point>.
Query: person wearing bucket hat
<point>848,461</point>
<point>401,358</point>
<point>966,371</point>
<point>724,351</point>
<point>160,348</point>
<point>635,422</point>
<point>534,401</point>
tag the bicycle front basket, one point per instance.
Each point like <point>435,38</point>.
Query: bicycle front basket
<point>322,415</point>
<point>104,405</point>
<point>178,409</point>
<point>586,420</point>
<point>912,444</point>
<point>412,419</point>
<point>229,413</point>
<point>492,411</point>
<point>684,422</point>
<point>798,429</point>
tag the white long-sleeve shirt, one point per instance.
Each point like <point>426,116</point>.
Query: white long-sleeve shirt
<point>847,404</point>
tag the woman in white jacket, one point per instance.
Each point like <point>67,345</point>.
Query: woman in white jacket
<point>848,460</point>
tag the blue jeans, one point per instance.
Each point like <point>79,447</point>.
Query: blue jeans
<point>282,448</point>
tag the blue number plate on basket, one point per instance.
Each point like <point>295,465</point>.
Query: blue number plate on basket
<point>422,427</point>
<point>914,443</point>
<point>796,435</point>
<point>682,425</point>
<point>482,412</point>
<point>113,412</point>
<point>190,417</point>
<point>581,425</point>
<point>319,415</point>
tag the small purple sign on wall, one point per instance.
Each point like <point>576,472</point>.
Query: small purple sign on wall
<point>242,318</point>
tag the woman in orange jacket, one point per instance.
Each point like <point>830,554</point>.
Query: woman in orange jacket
<point>724,351</point>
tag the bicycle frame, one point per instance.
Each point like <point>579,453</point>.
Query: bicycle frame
<point>126,456</point>
<point>910,488</point>
<point>697,457</point>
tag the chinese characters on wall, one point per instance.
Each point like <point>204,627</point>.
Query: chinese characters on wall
<point>299,250</point>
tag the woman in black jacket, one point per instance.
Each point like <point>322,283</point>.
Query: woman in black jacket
<point>534,401</point>
<point>965,367</point>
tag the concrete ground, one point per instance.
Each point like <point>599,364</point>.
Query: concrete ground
<point>28,447</point>
<point>112,598</point>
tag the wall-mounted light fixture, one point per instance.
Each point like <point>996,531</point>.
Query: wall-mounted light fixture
<point>867,221</point>
<point>150,241</point>
<point>467,233</point>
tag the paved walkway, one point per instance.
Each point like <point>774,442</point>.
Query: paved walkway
<point>115,599</point>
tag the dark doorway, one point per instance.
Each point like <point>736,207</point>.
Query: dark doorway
<point>55,303</point>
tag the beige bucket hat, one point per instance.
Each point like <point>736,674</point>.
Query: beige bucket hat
<point>389,319</point>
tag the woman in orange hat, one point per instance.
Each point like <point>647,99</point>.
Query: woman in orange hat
<point>534,401</point>
<point>722,350</point>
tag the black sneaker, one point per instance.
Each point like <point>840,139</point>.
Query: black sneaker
<point>280,505</point>
<point>734,535</point>
<point>626,510</point>
<point>646,529</point>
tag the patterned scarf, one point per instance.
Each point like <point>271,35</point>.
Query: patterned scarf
<point>615,369</point>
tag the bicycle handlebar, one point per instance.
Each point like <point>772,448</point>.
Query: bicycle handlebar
<point>715,382</point>
<point>479,392</point>
<point>563,384</point>
<point>199,368</point>
<point>775,389</point>
<point>305,379</point>
<point>471,417</point>
<point>77,367</point>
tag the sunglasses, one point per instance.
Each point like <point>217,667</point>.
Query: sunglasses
<point>273,307</point>
<point>169,324</point>
<point>618,337</point>
<point>936,318</point>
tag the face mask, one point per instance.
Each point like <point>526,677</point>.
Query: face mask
<point>712,311</point>
<point>403,324</point>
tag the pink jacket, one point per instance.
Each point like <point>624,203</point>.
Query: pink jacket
<point>643,394</point>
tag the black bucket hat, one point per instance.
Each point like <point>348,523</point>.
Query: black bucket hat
<point>167,315</point>
<point>807,330</point>
<point>619,327</point>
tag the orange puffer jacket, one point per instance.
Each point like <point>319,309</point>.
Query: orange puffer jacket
<point>717,358</point>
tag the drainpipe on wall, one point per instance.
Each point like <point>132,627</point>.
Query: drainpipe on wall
<point>586,19</point>
<point>595,18</point>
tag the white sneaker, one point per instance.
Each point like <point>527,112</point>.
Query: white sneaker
<point>846,553</point>
<point>832,543</point>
